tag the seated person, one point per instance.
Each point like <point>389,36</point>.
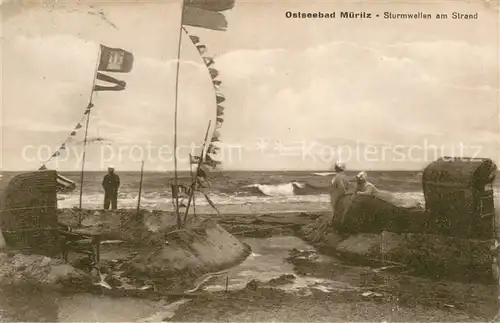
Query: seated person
<point>363,187</point>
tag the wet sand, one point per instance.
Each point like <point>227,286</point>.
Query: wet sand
<point>316,287</point>
<point>323,288</point>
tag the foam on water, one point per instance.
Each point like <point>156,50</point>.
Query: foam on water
<point>155,200</point>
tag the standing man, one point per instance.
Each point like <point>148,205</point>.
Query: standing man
<point>338,189</point>
<point>111,183</point>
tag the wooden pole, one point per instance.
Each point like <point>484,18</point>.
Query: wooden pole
<point>193,185</point>
<point>89,108</point>
<point>179,224</point>
<point>140,189</point>
<point>193,179</point>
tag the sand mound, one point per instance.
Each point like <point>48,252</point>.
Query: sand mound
<point>187,254</point>
<point>20,268</point>
<point>158,253</point>
<point>431,254</point>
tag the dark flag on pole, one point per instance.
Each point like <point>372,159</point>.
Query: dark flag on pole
<point>116,85</point>
<point>206,13</point>
<point>114,60</point>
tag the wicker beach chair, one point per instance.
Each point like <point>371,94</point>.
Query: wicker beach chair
<point>28,218</point>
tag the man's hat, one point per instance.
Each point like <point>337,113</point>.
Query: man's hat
<point>339,165</point>
<point>362,176</point>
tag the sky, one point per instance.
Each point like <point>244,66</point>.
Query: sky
<point>300,94</point>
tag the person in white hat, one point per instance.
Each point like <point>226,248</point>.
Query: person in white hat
<point>338,188</point>
<point>364,187</point>
<point>111,183</point>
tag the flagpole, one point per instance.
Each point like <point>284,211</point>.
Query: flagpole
<point>179,224</point>
<point>140,189</point>
<point>89,109</point>
<point>193,186</point>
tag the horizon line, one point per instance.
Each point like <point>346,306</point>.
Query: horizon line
<point>220,171</point>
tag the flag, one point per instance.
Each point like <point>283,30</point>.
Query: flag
<point>206,13</point>
<point>89,107</point>
<point>115,60</point>
<point>73,133</point>
<point>213,72</point>
<point>202,49</point>
<point>78,126</point>
<point>215,134</point>
<point>220,98</point>
<point>179,191</point>
<point>220,110</point>
<point>194,39</point>
<point>210,5</point>
<point>117,84</point>
<point>196,17</point>
<point>208,61</point>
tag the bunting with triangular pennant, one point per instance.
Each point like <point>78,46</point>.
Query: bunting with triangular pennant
<point>219,98</point>
<point>72,134</point>
<point>207,14</point>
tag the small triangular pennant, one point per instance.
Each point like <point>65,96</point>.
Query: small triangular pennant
<point>220,98</point>
<point>202,49</point>
<point>213,72</point>
<point>208,61</point>
<point>194,39</point>
<point>220,110</point>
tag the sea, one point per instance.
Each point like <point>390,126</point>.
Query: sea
<point>233,190</point>
<point>237,191</point>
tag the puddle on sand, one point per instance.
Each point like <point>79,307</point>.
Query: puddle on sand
<point>28,304</point>
<point>268,261</point>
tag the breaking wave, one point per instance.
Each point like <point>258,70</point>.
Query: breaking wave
<point>324,174</point>
<point>286,189</point>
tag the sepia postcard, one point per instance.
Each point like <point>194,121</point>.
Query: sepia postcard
<point>249,161</point>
